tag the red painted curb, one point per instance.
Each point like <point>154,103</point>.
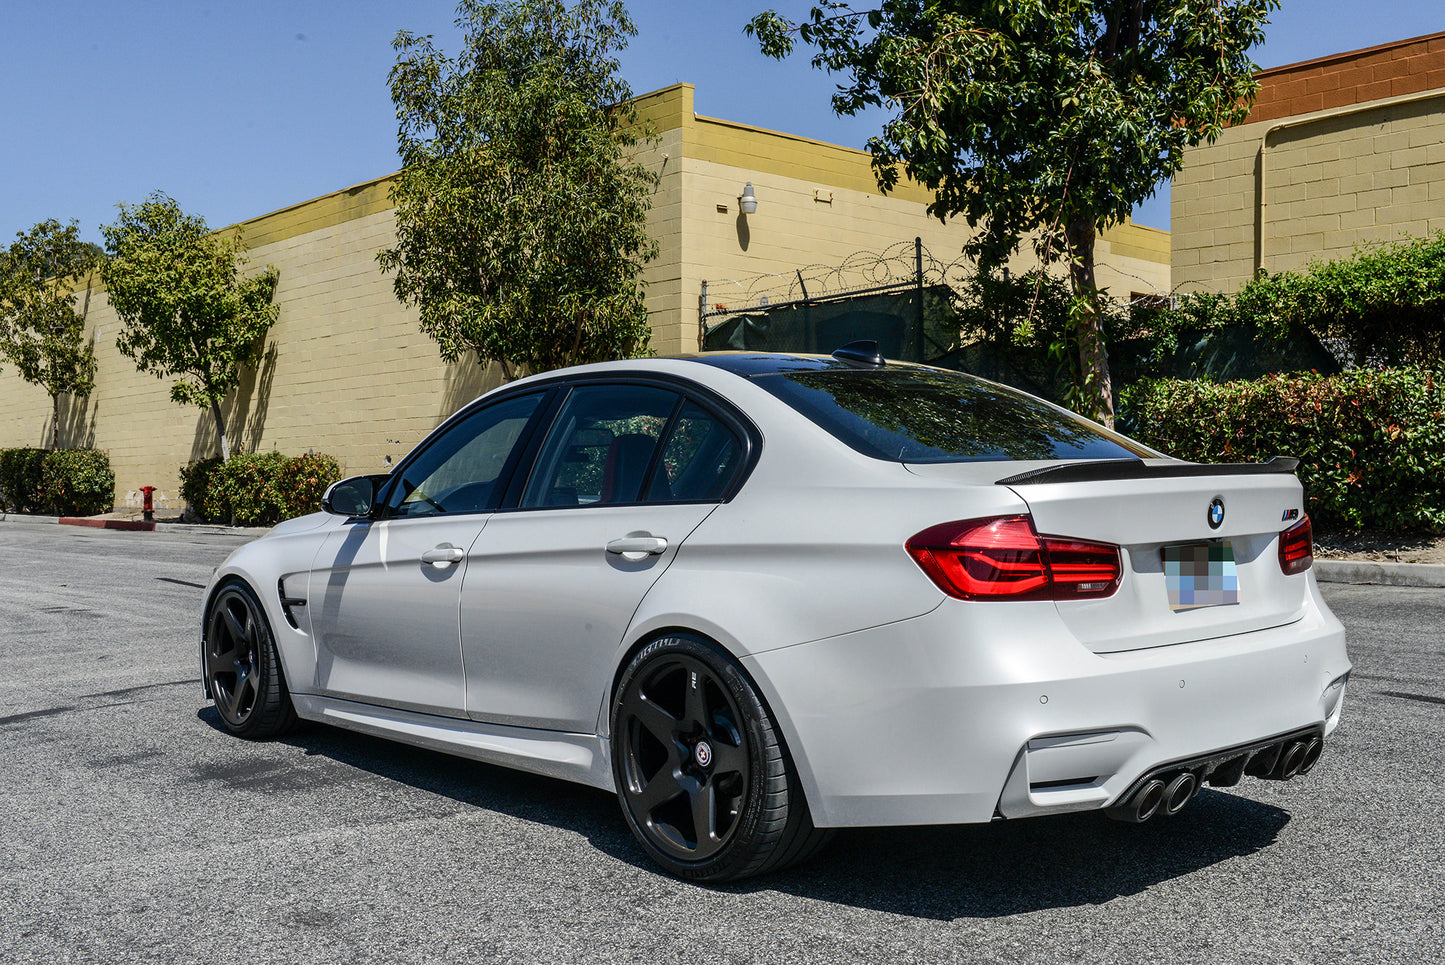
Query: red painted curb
<point>133,525</point>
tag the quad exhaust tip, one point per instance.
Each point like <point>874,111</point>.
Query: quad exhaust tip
<point>1169,793</point>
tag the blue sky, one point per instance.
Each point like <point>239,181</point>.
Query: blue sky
<point>237,109</point>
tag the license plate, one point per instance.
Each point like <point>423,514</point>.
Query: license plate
<point>1200,575</point>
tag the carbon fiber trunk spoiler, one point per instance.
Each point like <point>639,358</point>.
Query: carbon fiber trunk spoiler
<point>1102,469</point>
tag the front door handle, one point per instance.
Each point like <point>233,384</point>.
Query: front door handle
<point>443,555</point>
<point>636,548</point>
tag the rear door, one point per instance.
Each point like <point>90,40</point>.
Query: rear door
<point>627,472</point>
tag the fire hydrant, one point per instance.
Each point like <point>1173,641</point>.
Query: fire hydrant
<point>147,507</point>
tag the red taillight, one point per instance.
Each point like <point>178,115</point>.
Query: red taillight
<point>1297,548</point>
<point>1003,558</point>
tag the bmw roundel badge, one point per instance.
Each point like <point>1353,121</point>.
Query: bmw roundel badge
<point>1216,512</point>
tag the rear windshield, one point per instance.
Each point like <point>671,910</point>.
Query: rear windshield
<point>929,415</point>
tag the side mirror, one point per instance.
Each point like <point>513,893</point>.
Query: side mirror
<point>352,497</point>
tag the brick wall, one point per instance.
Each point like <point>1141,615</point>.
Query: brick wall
<point>1340,152</point>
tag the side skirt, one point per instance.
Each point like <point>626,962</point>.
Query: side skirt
<point>581,758</point>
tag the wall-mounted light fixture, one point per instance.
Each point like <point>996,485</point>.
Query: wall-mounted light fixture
<point>747,200</point>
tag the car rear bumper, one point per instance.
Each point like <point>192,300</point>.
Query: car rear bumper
<point>975,711</point>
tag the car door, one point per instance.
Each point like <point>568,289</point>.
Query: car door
<point>626,473</point>
<point>384,591</point>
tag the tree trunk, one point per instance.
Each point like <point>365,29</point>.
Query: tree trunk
<point>221,431</point>
<point>1098,392</point>
<point>55,422</point>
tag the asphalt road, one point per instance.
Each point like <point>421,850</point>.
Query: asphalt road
<point>132,829</point>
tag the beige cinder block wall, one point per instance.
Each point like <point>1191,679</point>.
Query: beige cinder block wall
<point>348,372</point>
<point>1336,152</point>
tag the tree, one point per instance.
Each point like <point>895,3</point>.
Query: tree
<point>520,213</point>
<point>41,333</point>
<point>1050,118</point>
<point>185,311</point>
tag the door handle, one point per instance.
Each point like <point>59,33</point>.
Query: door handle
<point>636,548</point>
<point>444,555</point>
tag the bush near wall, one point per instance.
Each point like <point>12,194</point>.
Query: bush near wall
<point>1371,443</point>
<point>257,489</point>
<point>65,482</point>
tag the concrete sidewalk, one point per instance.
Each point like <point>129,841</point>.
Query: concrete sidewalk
<point>129,521</point>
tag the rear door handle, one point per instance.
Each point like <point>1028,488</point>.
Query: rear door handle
<point>637,547</point>
<point>443,555</point>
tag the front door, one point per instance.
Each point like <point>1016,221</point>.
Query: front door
<point>384,592</point>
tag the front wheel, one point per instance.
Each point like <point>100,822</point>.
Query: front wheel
<point>705,781</point>
<point>243,671</point>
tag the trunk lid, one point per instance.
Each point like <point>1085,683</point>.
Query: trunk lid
<point>1146,509</point>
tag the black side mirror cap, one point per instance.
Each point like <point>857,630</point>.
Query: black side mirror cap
<point>353,498</point>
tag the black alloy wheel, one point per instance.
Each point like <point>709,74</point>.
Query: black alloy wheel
<point>703,777</point>
<point>242,668</point>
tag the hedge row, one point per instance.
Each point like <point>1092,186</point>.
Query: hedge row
<point>63,482</point>
<point>1371,443</point>
<point>257,489</point>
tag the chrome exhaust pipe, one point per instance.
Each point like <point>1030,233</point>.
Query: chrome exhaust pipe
<point>1142,806</point>
<point>1179,792</point>
<point>1312,755</point>
<point>1290,761</point>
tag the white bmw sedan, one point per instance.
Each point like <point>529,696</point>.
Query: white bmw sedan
<point>764,596</point>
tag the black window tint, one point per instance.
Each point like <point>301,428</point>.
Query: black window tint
<point>928,415</point>
<point>601,446</point>
<point>699,459</point>
<point>458,472</point>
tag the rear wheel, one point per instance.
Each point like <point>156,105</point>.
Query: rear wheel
<point>705,782</point>
<point>243,671</point>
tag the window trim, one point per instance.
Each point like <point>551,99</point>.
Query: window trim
<point>520,449</point>
<point>707,399</point>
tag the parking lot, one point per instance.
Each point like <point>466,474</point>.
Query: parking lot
<point>135,830</point>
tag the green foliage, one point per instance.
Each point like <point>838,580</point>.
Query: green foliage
<point>64,482</point>
<point>41,333</point>
<point>520,214</point>
<point>21,489</point>
<point>1055,118</point>
<point>258,489</point>
<point>78,482</point>
<point>1371,443</point>
<point>185,311</point>
<point>1385,304</point>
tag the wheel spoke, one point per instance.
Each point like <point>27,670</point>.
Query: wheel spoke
<point>704,815</point>
<point>233,626</point>
<point>728,759</point>
<point>227,699</point>
<point>695,703</point>
<point>658,722</point>
<point>661,789</point>
<point>221,662</point>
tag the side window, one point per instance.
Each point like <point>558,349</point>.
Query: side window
<point>458,472</point>
<point>601,446</point>
<point>699,459</point>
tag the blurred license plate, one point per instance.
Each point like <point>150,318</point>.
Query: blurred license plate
<point>1200,575</point>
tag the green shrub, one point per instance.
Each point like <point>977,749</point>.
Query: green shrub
<point>78,482</point>
<point>65,482</point>
<point>1371,443</point>
<point>196,485</point>
<point>258,489</point>
<point>21,489</point>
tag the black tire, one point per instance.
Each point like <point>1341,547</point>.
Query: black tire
<point>243,671</point>
<point>705,781</point>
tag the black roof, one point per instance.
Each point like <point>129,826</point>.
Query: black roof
<point>750,364</point>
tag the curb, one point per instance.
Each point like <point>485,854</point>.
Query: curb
<point>1379,573</point>
<point>132,525</point>
<point>136,525</point>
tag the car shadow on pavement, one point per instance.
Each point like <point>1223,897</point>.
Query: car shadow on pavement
<point>944,873</point>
